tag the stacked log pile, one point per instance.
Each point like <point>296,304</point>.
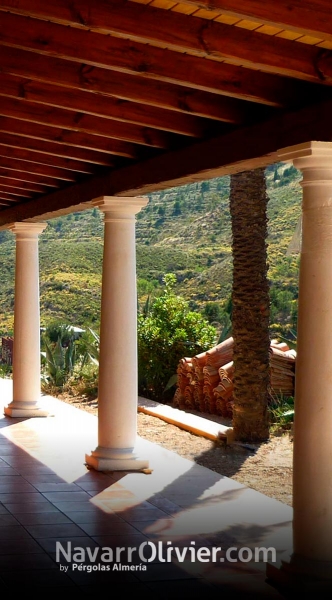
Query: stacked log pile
<point>205,381</point>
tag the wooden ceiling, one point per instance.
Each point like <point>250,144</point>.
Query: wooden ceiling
<point>123,97</point>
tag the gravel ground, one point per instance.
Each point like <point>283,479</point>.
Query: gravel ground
<point>265,467</point>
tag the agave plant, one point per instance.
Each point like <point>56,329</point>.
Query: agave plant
<point>59,362</point>
<point>90,348</point>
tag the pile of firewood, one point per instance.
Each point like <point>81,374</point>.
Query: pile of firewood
<point>205,381</point>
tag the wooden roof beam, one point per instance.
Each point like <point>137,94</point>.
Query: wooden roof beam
<point>190,37</point>
<point>36,169</point>
<point>58,155</point>
<point>6,182</point>
<point>14,147</point>
<point>126,56</point>
<point>21,176</point>
<point>236,82</point>
<point>310,17</point>
<point>60,135</point>
<point>83,123</point>
<point>15,192</point>
<point>242,149</point>
<point>113,108</point>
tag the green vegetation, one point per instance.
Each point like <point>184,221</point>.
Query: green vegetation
<point>69,360</point>
<point>281,410</point>
<point>185,231</point>
<point>167,332</point>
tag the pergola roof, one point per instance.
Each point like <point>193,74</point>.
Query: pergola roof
<point>124,97</point>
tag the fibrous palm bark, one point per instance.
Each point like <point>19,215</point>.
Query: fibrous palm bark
<point>250,305</point>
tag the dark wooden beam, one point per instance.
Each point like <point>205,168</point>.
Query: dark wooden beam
<point>36,169</point>
<point>242,149</point>
<point>12,197</point>
<point>21,176</point>
<point>57,155</point>
<point>234,81</point>
<point>16,192</point>
<point>42,159</point>
<point>128,57</point>
<point>307,17</point>
<point>13,183</point>
<point>59,135</point>
<point>120,110</point>
<point>83,123</point>
<point>190,37</point>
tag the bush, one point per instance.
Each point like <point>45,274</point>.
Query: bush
<point>167,333</point>
<point>281,411</point>
<point>83,382</point>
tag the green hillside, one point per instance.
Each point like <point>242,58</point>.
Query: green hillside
<point>185,231</point>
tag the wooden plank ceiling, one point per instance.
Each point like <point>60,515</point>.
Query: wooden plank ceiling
<point>123,97</point>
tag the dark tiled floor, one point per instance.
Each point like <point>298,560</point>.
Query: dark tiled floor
<point>64,526</point>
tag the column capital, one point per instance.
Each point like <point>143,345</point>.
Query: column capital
<point>26,230</point>
<point>308,155</point>
<point>122,207</point>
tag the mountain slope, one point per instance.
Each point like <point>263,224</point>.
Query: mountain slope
<point>186,231</point>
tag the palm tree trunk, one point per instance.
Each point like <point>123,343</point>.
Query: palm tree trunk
<point>250,306</point>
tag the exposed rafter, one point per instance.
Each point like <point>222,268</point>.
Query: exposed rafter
<point>122,97</point>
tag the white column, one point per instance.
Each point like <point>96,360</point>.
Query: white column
<point>117,394</point>
<point>312,465</point>
<point>26,352</point>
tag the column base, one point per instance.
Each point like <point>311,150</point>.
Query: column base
<point>115,459</point>
<point>293,572</point>
<point>26,409</point>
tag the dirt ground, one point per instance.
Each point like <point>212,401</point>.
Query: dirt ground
<point>265,467</point>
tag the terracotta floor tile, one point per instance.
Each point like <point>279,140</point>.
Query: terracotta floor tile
<point>112,528</point>
<point>7,519</point>
<point>20,546</point>
<point>86,506</point>
<point>26,561</point>
<point>57,497</point>
<point>13,532</point>
<point>17,484</point>
<point>34,469</point>
<point>60,486</point>
<point>51,497</point>
<point>17,508</point>
<point>94,486</point>
<point>34,478</point>
<point>55,530</point>
<point>138,514</point>
<point>7,470</point>
<point>46,518</point>
<point>14,497</point>
<point>94,516</point>
<point>3,510</point>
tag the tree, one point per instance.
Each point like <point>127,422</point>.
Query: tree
<point>250,306</point>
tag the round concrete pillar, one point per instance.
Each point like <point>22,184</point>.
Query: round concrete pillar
<point>117,394</point>
<point>26,353</point>
<point>310,559</point>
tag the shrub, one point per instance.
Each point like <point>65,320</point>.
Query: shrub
<point>167,333</point>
